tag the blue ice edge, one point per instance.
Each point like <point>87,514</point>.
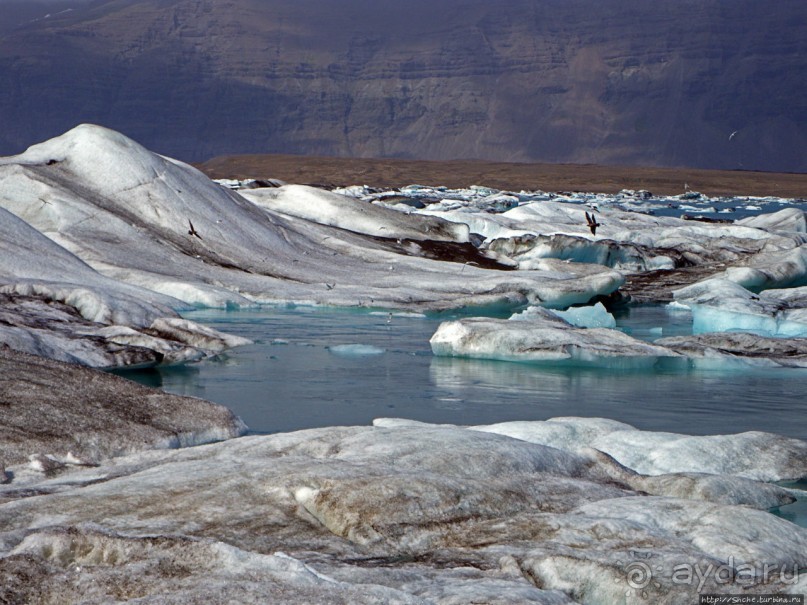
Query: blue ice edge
<point>796,512</point>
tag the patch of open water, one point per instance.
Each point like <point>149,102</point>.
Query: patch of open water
<point>299,374</point>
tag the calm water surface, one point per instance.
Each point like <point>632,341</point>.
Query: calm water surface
<point>297,375</point>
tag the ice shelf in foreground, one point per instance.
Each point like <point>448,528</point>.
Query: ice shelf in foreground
<point>406,512</point>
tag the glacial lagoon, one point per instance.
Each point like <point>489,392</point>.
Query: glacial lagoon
<point>318,366</point>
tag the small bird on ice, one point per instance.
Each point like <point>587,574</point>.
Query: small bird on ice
<point>592,223</point>
<point>192,231</point>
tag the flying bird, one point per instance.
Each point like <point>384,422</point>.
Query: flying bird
<point>193,231</point>
<point>731,136</point>
<point>592,223</point>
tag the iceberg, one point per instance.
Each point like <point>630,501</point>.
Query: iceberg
<point>724,349</point>
<point>540,335</point>
<point>720,305</point>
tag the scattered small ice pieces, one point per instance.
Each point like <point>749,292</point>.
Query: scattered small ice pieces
<point>356,350</point>
<point>408,314</point>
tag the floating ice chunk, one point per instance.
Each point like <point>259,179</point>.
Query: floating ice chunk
<point>595,316</point>
<point>720,305</point>
<point>718,350</point>
<point>540,335</point>
<point>407,314</point>
<point>356,350</point>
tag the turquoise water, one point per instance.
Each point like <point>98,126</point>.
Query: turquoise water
<point>293,378</point>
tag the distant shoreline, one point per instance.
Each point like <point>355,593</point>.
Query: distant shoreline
<point>393,173</point>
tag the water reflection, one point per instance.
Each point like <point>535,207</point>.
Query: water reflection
<point>662,399</point>
<point>292,379</point>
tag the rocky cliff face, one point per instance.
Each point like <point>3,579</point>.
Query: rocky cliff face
<point>706,83</point>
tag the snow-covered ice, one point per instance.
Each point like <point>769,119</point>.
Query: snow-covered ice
<point>132,237</point>
<point>103,243</point>
<point>327,208</point>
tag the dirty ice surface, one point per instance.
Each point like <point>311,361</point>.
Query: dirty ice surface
<point>668,441</point>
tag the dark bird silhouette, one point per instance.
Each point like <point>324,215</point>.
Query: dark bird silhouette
<point>592,223</point>
<point>193,231</point>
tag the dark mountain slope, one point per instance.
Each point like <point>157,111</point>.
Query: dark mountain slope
<point>611,81</point>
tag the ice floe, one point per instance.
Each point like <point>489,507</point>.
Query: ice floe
<point>539,335</point>
<point>720,305</point>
